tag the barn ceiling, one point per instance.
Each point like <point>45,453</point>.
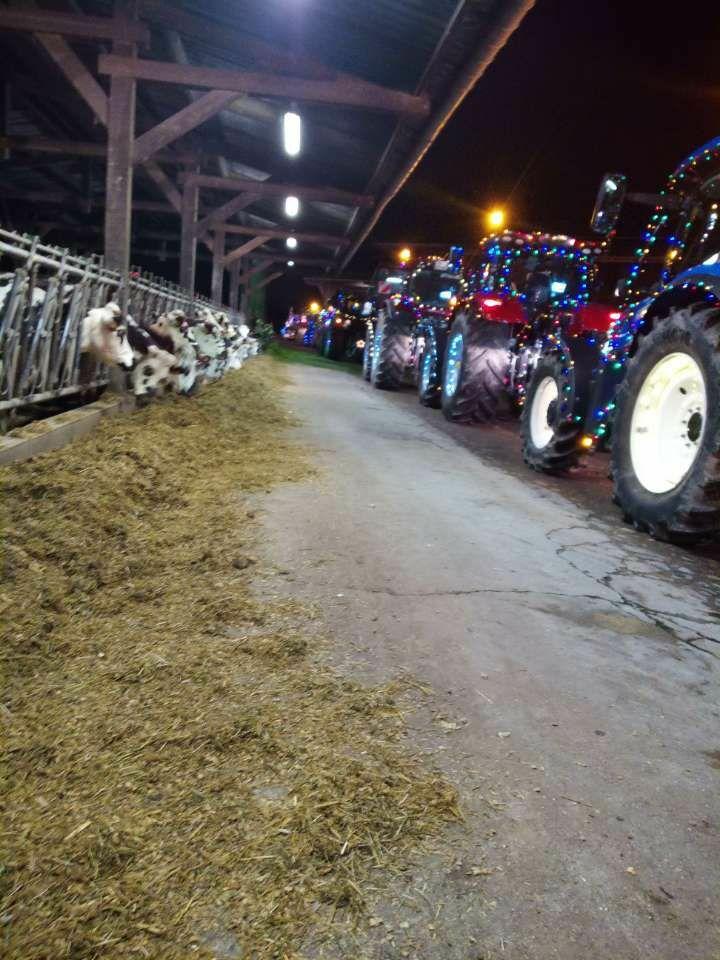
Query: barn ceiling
<point>53,168</point>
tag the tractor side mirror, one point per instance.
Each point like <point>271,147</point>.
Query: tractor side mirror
<point>608,205</point>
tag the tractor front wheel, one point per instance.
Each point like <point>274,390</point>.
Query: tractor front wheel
<point>430,371</point>
<point>549,429</point>
<point>666,432</point>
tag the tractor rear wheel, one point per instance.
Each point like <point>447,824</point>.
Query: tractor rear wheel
<point>666,432</point>
<point>368,354</point>
<point>391,348</point>
<point>475,371</point>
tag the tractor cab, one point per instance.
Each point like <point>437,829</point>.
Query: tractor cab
<point>341,327</point>
<point>434,283</point>
<point>679,250</point>
<point>516,276</point>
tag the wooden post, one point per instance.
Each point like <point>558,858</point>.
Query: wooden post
<point>218,270</point>
<point>245,295</point>
<point>119,178</point>
<point>188,240</point>
<point>234,298</point>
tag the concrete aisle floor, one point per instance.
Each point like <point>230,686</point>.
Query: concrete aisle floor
<point>574,665</point>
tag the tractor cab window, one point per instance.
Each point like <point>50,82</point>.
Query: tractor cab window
<point>434,288</point>
<point>483,277</point>
<point>543,281</point>
<point>517,275</point>
<point>703,241</point>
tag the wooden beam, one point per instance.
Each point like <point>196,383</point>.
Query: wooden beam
<point>163,181</point>
<point>165,184</point>
<point>92,93</point>
<point>324,239</point>
<point>241,251</point>
<point>223,213</point>
<point>218,268</point>
<point>85,148</point>
<point>264,189</point>
<point>50,197</point>
<point>269,279</point>
<point>256,268</point>
<point>347,92</point>
<point>308,261</point>
<point>119,172</point>
<point>267,261</point>
<point>74,25</point>
<point>75,71</point>
<point>188,244</point>
<point>181,123</point>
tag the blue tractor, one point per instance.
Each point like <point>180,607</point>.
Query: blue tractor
<point>655,391</point>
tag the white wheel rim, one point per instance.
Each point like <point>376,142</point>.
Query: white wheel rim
<point>541,433</point>
<point>668,422</point>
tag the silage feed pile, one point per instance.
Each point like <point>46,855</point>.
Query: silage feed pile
<point>181,775</point>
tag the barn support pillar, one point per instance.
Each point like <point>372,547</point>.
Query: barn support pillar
<point>188,240</point>
<point>218,268</point>
<point>234,298</point>
<point>245,298</point>
<point>121,134</point>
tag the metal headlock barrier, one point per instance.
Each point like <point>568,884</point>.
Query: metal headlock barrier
<point>46,296</point>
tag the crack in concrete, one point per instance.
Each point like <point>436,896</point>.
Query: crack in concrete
<point>657,617</point>
<point>515,591</point>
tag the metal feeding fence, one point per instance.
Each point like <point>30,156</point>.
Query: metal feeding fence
<point>43,301</point>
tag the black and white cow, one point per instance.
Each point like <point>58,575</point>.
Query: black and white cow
<point>104,336</point>
<point>174,328</point>
<point>154,361</point>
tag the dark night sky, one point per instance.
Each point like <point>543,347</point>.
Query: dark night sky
<point>581,88</point>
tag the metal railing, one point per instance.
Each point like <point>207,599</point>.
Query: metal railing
<point>47,295</point>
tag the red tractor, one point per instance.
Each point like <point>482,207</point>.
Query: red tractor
<point>522,293</point>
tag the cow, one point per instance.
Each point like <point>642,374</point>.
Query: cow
<point>6,284</point>
<point>104,336</point>
<point>154,360</point>
<point>236,345</point>
<point>173,329</point>
<point>211,346</point>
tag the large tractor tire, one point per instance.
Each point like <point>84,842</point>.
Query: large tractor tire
<point>475,371</point>
<point>368,354</point>
<point>391,350</point>
<point>666,432</point>
<point>549,430</point>
<point>430,364</point>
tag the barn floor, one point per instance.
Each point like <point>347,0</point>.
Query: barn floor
<point>183,773</point>
<point>567,674</point>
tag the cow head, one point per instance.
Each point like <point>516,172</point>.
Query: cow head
<point>104,335</point>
